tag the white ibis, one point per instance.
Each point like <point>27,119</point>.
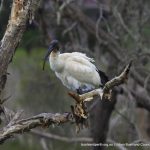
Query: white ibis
<point>75,70</point>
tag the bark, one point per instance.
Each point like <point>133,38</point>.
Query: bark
<point>20,13</point>
<point>24,125</point>
<point>100,115</point>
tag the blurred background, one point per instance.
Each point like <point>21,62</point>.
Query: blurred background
<point>112,32</point>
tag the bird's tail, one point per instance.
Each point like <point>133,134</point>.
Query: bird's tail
<point>103,77</point>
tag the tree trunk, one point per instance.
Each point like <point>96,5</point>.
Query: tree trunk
<point>21,11</point>
<point>99,120</point>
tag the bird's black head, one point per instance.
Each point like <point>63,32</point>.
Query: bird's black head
<point>54,46</point>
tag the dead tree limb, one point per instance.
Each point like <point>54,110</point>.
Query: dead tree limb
<point>21,11</point>
<point>122,78</point>
<point>24,125</point>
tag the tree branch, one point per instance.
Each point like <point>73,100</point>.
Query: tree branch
<point>24,125</point>
<point>20,13</point>
<point>61,138</point>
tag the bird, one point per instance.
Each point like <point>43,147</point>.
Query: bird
<point>76,70</point>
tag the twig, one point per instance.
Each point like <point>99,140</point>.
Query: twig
<point>44,144</point>
<point>120,19</point>
<point>2,101</point>
<point>69,29</point>
<point>61,8</point>
<point>125,118</point>
<point>98,22</point>
<point>15,118</point>
<point>61,138</point>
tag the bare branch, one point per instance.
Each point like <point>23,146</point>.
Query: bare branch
<point>44,144</point>
<point>69,29</point>
<point>122,78</point>
<point>24,125</point>
<point>61,138</point>
<point>20,13</point>
<point>98,22</point>
<point>121,21</point>
<point>61,8</point>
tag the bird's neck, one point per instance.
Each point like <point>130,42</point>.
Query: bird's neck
<point>54,61</point>
<point>54,54</point>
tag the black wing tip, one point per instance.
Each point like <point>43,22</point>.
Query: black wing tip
<point>103,77</point>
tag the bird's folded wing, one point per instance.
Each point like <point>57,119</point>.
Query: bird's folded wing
<point>82,70</point>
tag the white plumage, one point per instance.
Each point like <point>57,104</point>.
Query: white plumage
<point>75,70</point>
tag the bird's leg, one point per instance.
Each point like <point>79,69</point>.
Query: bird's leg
<point>79,91</point>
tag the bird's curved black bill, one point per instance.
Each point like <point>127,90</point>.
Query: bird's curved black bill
<point>46,56</point>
